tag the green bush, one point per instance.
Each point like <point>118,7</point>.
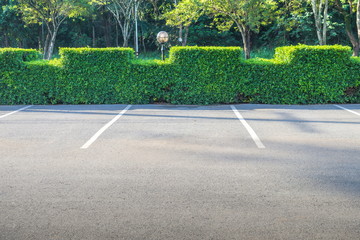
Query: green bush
<point>320,72</point>
<point>14,86</point>
<point>33,84</point>
<point>192,75</point>
<point>204,75</point>
<point>11,58</point>
<point>320,55</point>
<point>200,56</point>
<point>92,75</point>
<point>94,59</point>
<point>281,83</point>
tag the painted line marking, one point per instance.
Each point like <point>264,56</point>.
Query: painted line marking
<point>16,111</point>
<point>252,133</point>
<point>103,129</point>
<point>347,110</point>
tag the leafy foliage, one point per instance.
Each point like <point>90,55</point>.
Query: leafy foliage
<point>275,23</point>
<point>191,75</point>
<point>20,84</point>
<point>52,14</point>
<point>12,58</point>
<point>301,54</point>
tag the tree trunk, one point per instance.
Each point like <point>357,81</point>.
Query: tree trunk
<point>125,41</point>
<point>43,43</point>
<point>184,42</point>
<point>93,36</point>
<point>125,31</point>
<point>40,40</point>
<point>320,10</point>
<point>324,23</point>
<point>51,45</point>
<point>39,43</point>
<point>358,22</point>
<point>24,43</point>
<point>19,43</point>
<point>46,45</point>
<point>247,44</point>
<point>142,38</point>
<point>356,49</point>
<point>319,36</point>
<point>353,39</point>
<point>246,38</point>
<point>317,19</point>
<point>116,35</point>
<point>107,31</point>
<point>143,43</point>
<point>6,40</point>
<point>181,39</point>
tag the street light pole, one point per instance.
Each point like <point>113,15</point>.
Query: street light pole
<point>162,52</point>
<point>136,30</point>
<point>162,38</point>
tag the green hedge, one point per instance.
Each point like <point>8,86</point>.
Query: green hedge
<point>305,75</point>
<point>94,59</point>
<point>200,56</point>
<point>13,58</point>
<point>92,75</point>
<point>192,75</point>
<point>18,85</point>
<point>205,75</point>
<point>318,55</point>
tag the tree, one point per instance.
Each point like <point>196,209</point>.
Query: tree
<point>246,15</point>
<point>52,13</point>
<point>13,33</point>
<point>349,8</point>
<point>183,15</point>
<point>320,10</point>
<point>289,21</point>
<point>123,12</point>
<point>8,21</point>
<point>358,22</point>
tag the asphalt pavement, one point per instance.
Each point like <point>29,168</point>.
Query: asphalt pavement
<point>179,172</point>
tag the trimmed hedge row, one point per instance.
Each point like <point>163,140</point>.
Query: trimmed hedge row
<point>10,58</point>
<point>192,75</point>
<point>319,55</point>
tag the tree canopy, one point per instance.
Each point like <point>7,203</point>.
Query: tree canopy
<point>52,13</point>
<point>251,24</point>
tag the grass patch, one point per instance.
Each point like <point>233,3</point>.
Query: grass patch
<point>267,53</point>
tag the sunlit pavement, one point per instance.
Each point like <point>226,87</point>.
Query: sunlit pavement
<point>180,172</point>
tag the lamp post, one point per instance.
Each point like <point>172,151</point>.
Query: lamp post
<point>136,29</point>
<point>162,38</point>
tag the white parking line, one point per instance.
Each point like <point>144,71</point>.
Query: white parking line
<point>103,129</point>
<point>347,110</point>
<point>252,133</point>
<point>16,111</point>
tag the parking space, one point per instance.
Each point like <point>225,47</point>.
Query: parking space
<point>180,172</point>
<point>9,110</point>
<point>56,127</point>
<point>327,125</point>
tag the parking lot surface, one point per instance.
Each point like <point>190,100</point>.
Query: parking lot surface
<point>180,172</point>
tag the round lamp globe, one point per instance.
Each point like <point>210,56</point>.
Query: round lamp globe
<point>162,37</point>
